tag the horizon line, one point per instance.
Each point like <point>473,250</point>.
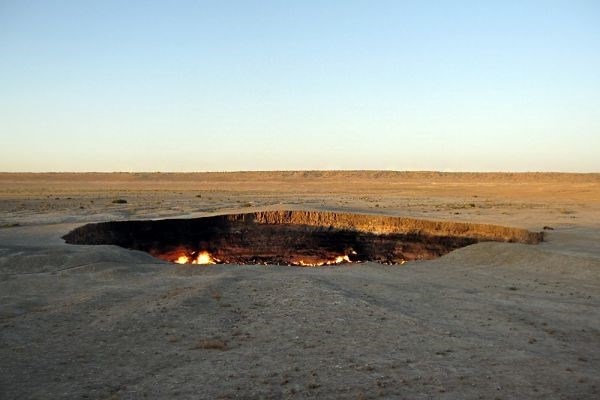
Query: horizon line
<point>307,170</point>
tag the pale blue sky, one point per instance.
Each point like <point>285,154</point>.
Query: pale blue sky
<point>262,85</point>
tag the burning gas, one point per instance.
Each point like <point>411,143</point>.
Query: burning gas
<point>337,260</point>
<point>202,257</point>
<point>183,255</point>
<point>182,260</point>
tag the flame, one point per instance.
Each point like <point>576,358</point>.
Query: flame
<point>182,259</point>
<point>337,260</point>
<point>204,257</point>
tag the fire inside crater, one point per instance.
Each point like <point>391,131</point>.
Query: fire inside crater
<point>302,238</point>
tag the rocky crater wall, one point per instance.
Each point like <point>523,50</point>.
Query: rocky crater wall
<point>296,237</point>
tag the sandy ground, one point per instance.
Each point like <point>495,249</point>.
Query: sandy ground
<point>491,320</point>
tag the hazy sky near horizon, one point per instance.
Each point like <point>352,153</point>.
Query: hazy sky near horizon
<point>263,85</point>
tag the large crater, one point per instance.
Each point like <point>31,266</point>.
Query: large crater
<point>295,238</point>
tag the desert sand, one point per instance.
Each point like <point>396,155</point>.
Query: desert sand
<point>490,320</point>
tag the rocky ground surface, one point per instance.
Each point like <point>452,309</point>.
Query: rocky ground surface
<point>491,320</point>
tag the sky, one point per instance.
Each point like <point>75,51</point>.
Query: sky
<point>282,85</point>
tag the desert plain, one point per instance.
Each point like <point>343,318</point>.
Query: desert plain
<point>492,320</point>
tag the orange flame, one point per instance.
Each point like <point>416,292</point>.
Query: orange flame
<point>182,259</point>
<point>337,260</point>
<point>204,257</point>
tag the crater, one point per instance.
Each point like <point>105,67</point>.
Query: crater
<point>304,238</point>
